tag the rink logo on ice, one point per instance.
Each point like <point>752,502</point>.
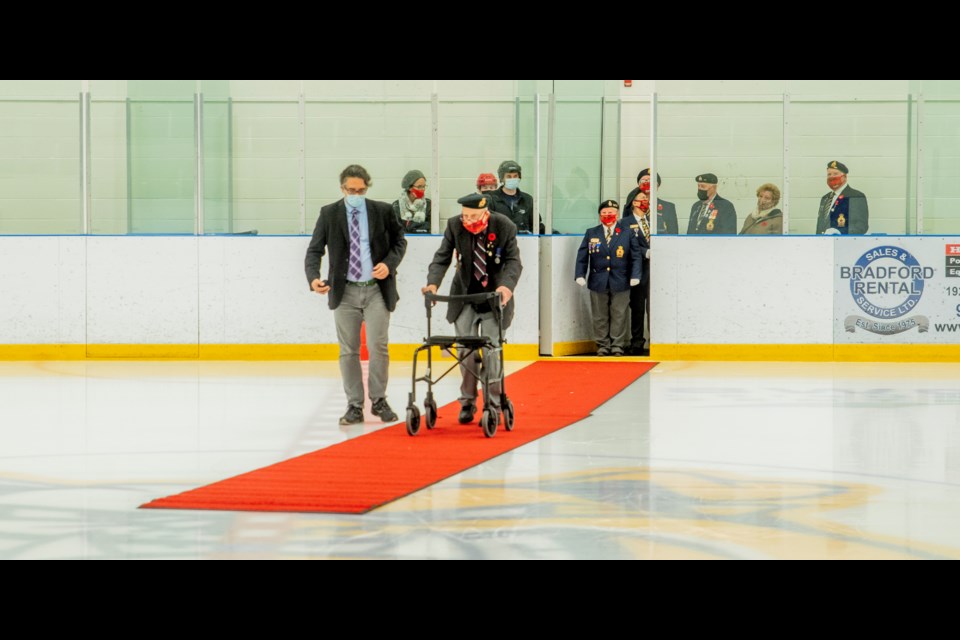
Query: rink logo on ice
<point>886,283</point>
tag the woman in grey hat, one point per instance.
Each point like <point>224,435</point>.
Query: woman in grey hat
<point>413,207</point>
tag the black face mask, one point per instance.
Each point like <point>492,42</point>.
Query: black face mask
<point>702,194</point>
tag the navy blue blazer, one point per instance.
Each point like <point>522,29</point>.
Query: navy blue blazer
<point>609,267</point>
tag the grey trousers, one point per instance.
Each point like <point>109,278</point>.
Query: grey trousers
<point>610,326</point>
<point>361,304</point>
<point>471,323</point>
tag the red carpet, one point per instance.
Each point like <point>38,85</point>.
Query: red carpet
<point>366,472</point>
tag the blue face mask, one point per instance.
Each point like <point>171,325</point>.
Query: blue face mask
<point>512,183</point>
<point>355,201</point>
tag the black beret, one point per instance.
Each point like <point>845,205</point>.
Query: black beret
<point>646,172</point>
<point>606,204</point>
<point>708,178</point>
<point>475,201</point>
<point>839,166</point>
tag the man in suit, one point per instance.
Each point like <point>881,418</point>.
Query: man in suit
<point>637,219</point>
<point>488,259</point>
<point>711,215</point>
<point>513,203</point>
<point>609,263</point>
<point>842,208</point>
<point>366,245</point>
<point>666,211</point>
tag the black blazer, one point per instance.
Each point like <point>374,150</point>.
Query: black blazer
<point>522,216</point>
<point>630,221</point>
<point>724,223</point>
<point>387,245</point>
<point>459,240</point>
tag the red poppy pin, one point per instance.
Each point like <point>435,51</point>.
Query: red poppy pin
<point>492,237</point>
<point>618,229</point>
<point>839,197</point>
<point>659,207</point>
<point>711,205</point>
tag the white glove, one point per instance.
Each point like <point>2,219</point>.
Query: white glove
<point>581,282</point>
<point>634,282</point>
<point>646,254</point>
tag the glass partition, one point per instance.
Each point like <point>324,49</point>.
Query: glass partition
<point>734,142</point>
<point>267,146</point>
<point>109,185</point>
<point>271,151</point>
<point>939,162</point>
<point>870,137</point>
<point>388,138</point>
<point>476,135</point>
<point>161,156</point>
<point>40,165</point>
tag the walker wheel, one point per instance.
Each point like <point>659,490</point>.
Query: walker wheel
<point>430,413</point>
<point>508,415</point>
<point>413,420</point>
<point>489,421</point>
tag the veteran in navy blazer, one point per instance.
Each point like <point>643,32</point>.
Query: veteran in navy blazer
<point>366,245</point>
<point>842,208</point>
<point>637,219</point>
<point>609,262</point>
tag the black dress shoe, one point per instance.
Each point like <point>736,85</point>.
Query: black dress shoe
<point>383,410</point>
<point>354,415</point>
<point>466,413</point>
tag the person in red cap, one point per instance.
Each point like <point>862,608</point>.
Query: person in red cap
<point>486,182</point>
<point>609,264</point>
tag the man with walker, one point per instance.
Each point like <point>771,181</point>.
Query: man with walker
<point>484,245</point>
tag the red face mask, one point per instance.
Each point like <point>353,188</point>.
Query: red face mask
<point>644,187</point>
<point>477,226</point>
<point>417,193</point>
<point>644,206</point>
<point>835,182</point>
<point>608,218</point>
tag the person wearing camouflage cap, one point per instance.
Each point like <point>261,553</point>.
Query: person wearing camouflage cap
<point>513,203</point>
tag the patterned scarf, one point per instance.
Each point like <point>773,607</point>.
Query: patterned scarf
<point>416,210</point>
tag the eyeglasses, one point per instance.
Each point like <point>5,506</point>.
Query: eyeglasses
<point>355,192</point>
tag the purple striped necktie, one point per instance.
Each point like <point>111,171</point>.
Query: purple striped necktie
<point>355,266</point>
<point>479,260</point>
